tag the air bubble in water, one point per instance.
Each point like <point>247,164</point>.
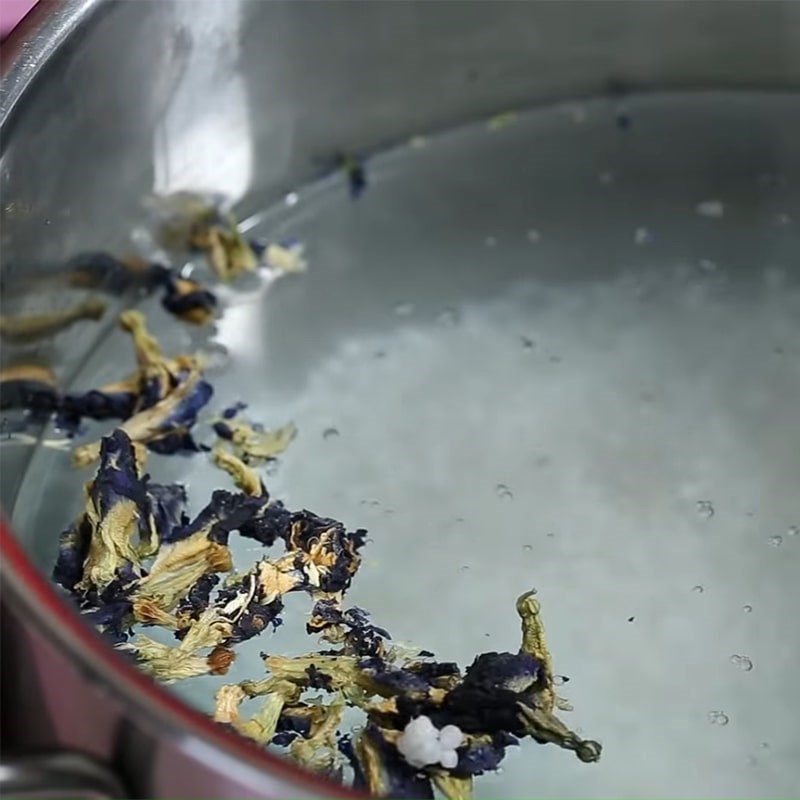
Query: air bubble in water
<point>464,568</point>
<point>606,178</point>
<point>291,199</point>
<point>705,508</point>
<point>718,718</point>
<point>793,530</point>
<point>490,241</point>
<point>503,492</point>
<point>527,547</point>
<point>775,541</point>
<point>748,609</point>
<point>642,236</point>
<point>533,235</point>
<point>743,662</point>
<point>527,343</point>
<point>560,680</point>
<point>330,433</point>
<point>698,588</point>
<point>404,309</point>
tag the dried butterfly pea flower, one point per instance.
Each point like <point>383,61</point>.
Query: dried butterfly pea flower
<point>116,276</point>
<point>452,786</point>
<point>250,442</point>
<point>351,628</point>
<point>198,597</point>
<point>535,643</point>
<point>385,773</point>
<point>285,257</point>
<point>113,401</point>
<point>25,328</point>
<point>243,476</point>
<point>170,664</point>
<point>226,250</point>
<point>189,301</point>
<point>168,506</point>
<point>225,513</point>
<point>319,752</point>
<point>272,522</point>
<point>73,547</point>
<point>117,512</point>
<point>178,567</point>
<point>164,427</point>
<point>29,386</point>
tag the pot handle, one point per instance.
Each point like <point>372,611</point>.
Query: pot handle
<point>57,776</point>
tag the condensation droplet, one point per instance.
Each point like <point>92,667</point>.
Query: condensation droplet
<point>705,508</point>
<point>606,178</point>
<point>793,530</point>
<point>783,219</point>
<point>642,236</point>
<point>503,492</point>
<point>718,718</point>
<point>330,433</point>
<point>527,547</point>
<point>490,241</point>
<point>748,609</point>
<point>404,309</point>
<point>698,588</point>
<point>775,541</point>
<point>533,236</point>
<point>743,662</point>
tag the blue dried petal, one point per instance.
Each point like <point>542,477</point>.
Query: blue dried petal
<point>184,415</point>
<point>103,271</point>
<point>477,758</point>
<point>168,504</point>
<point>293,719</point>
<point>271,523</point>
<point>225,513</point>
<point>117,477</point>
<point>97,404</point>
<point>198,597</point>
<point>231,411</point>
<point>394,680</point>
<point>73,547</point>
<point>255,620</point>
<point>307,529</point>
<point>223,430</point>
<point>36,396</point>
<point>514,671</point>
<point>189,300</point>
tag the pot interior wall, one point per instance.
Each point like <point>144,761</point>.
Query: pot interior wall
<point>528,356</point>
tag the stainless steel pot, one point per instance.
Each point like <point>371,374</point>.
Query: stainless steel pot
<point>103,101</point>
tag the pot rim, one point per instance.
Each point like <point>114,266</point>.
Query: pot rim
<point>27,49</point>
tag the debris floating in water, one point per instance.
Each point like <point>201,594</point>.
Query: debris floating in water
<point>705,508</point>
<point>715,209</point>
<point>742,662</point>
